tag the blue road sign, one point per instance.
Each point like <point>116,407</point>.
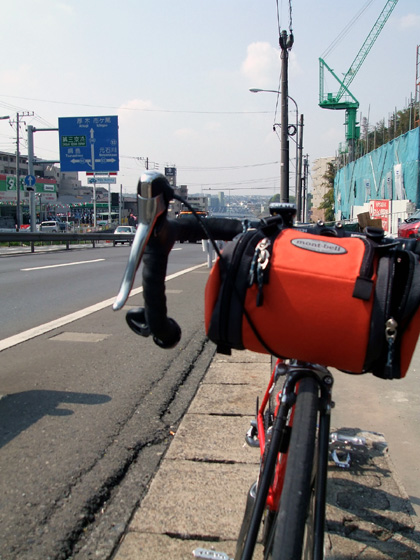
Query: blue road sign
<point>88,144</point>
<point>30,180</point>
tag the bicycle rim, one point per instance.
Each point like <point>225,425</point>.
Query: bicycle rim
<point>293,526</point>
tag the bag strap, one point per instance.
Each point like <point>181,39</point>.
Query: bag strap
<point>384,309</point>
<point>413,297</point>
<point>380,309</point>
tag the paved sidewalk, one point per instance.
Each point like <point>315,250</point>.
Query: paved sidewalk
<point>197,497</point>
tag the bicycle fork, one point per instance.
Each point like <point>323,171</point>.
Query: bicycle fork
<point>257,497</point>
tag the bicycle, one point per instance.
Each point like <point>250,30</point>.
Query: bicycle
<point>292,426</point>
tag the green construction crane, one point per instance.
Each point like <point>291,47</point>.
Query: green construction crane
<point>344,99</point>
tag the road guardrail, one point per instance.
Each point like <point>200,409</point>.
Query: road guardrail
<point>32,238</point>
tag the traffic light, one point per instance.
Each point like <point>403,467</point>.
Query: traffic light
<point>115,199</point>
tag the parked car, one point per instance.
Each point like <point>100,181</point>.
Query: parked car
<point>411,226</point>
<point>50,226</point>
<point>124,230</point>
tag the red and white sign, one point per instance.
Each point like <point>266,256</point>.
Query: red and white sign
<point>381,209</point>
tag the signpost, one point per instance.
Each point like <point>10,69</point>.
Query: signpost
<point>30,181</point>
<point>381,209</point>
<point>170,174</point>
<point>88,144</point>
<point>102,180</point>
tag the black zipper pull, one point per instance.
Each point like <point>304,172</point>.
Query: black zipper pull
<point>391,328</point>
<point>262,263</point>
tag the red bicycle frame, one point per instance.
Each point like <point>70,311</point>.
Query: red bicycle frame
<point>276,487</point>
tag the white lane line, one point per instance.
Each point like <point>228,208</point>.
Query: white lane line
<point>58,265</point>
<point>42,329</point>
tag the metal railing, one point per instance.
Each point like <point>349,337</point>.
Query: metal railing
<point>65,239</point>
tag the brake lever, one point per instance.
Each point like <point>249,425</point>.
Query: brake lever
<point>150,208</point>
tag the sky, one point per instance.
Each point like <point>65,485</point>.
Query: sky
<point>177,73</point>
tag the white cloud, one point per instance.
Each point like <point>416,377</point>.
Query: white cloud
<point>410,21</point>
<point>212,126</point>
<point>185,133</point>
<point>66,8</point>
<point>295,68</point>
<point>127,110</point>
<point>262,64</point>
<point>19,76</point>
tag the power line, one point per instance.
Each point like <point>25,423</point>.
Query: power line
<point>346,29</point>
<point>226,168</point>
<point>212,168</point>
<point>142,110</point>
<point>243,182</point>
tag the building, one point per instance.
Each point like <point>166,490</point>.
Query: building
<point>48,186</point>
<point>65,181</point>
<point>319,186</point>
<point>199,202</point>
<point>385,183</point>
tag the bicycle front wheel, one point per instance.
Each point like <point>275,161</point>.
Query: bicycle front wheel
<point>294,526</point>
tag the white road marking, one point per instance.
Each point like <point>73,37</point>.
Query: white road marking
<point>80,337</point>
<point>42,329</point>
<point>58,265</point>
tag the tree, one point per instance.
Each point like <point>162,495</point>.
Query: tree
<point>276,198</point>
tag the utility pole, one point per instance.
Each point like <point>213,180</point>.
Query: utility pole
<point>286,42</point>
<point>18,210</point>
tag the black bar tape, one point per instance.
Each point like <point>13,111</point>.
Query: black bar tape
<point>188,228</point>
<point>165,331</point>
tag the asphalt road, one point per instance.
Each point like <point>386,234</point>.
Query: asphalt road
<point>87,409</point>
<point>39,287</point>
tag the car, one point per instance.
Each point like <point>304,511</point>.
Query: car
<point>126,231</point>
<point>50,226</point>
<point>411,226</point>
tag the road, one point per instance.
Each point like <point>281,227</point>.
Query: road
<point>87,409</point>
<point>40,287</point>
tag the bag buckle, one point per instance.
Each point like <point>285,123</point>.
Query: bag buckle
<point>259,264</point>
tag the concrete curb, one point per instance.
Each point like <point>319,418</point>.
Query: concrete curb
<point>197,497</point>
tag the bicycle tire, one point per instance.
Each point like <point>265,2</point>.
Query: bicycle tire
<point>293,527</point>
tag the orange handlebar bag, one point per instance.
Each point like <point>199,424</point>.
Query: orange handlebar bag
<point>345,302</point>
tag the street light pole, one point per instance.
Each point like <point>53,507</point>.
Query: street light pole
<point>299,149</point>
<point>299,146</point>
